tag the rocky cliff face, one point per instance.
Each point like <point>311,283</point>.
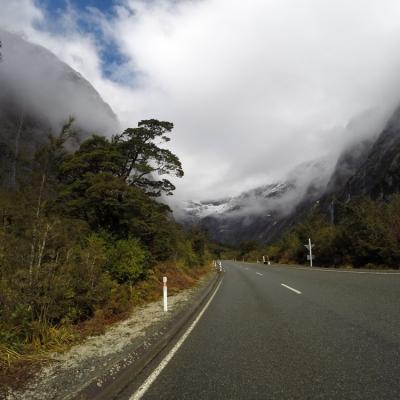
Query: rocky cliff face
<point>347,165</point>
<point>379,174</point>
<point>39,93</point>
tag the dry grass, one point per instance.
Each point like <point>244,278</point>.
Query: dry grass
<point>17,367</point>
<point>179,278</point>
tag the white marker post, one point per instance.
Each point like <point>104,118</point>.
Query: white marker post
<point>165,293</point>
<point>309,246</point>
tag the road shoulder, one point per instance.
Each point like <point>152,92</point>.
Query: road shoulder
<point>100,365</point>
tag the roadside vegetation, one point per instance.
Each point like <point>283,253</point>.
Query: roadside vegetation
<point>84,237</point>
<point>366,234</point>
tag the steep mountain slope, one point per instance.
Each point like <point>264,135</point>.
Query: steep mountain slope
<point>379,175</point>
<point>347,165</point>
<point>38,95</point>
<point>34,81</point>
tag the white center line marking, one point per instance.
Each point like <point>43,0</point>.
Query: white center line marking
<point>259,274</point>
<point>290,288</point>
<point>352,272</point>
<point>337,271</point>
<point>153,376</point>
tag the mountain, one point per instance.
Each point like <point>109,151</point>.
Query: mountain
<point>263,213</point>
<point>378,176</point>
<point>34,81</point>
<point>369,165</point>
<point>39,93</point>
<point>347,164</point>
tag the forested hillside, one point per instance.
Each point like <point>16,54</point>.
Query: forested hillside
<point>366,234</point>
<point>84,237</point>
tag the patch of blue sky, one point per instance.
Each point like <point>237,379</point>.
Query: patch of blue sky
<point>112,59</point>
<point>105,6</point>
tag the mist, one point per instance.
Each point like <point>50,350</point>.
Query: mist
<point>306,181</point>
<point>254,88</point>
<point>34,82</point>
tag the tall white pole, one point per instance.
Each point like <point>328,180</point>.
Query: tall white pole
<point>309,246</point>
<point>165,296</point>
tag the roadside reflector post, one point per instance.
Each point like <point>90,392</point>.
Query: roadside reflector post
<point>165,294</point>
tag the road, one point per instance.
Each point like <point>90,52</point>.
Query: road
<point>275,332</point>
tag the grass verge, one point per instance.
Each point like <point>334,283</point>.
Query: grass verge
<point>19,363</point>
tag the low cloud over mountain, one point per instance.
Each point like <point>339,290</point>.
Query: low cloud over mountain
<point>35,83</point>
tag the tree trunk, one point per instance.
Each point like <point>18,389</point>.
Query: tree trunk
<point>13,177</point>
<point>36,229</point>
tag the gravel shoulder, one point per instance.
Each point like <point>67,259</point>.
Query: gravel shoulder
<point>98,356</point>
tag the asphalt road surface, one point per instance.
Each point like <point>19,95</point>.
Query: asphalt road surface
<point>274,332</point>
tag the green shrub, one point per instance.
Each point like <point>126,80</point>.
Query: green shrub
<point>127,261</point>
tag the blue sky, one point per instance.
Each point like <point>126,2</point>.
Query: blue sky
<point>103,5</point>
<point>110,55</point>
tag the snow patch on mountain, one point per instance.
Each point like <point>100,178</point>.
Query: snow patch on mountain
<point>263,212</point>
<point>275,197</point>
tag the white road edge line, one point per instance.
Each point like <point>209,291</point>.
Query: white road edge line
<point>153,376</point>
<point>290,288</point>
<point>259,274</point>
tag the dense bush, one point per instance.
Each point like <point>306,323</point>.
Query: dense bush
<point>84,231</point>
<point>367,232</point>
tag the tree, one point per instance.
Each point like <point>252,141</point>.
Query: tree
<point>127,261</point>
<point>246,247</point>
<point>101,185</point>
<point>143,158</point>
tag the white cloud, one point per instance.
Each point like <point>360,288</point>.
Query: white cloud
<point>19,15</point>
<point>253,87</point>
